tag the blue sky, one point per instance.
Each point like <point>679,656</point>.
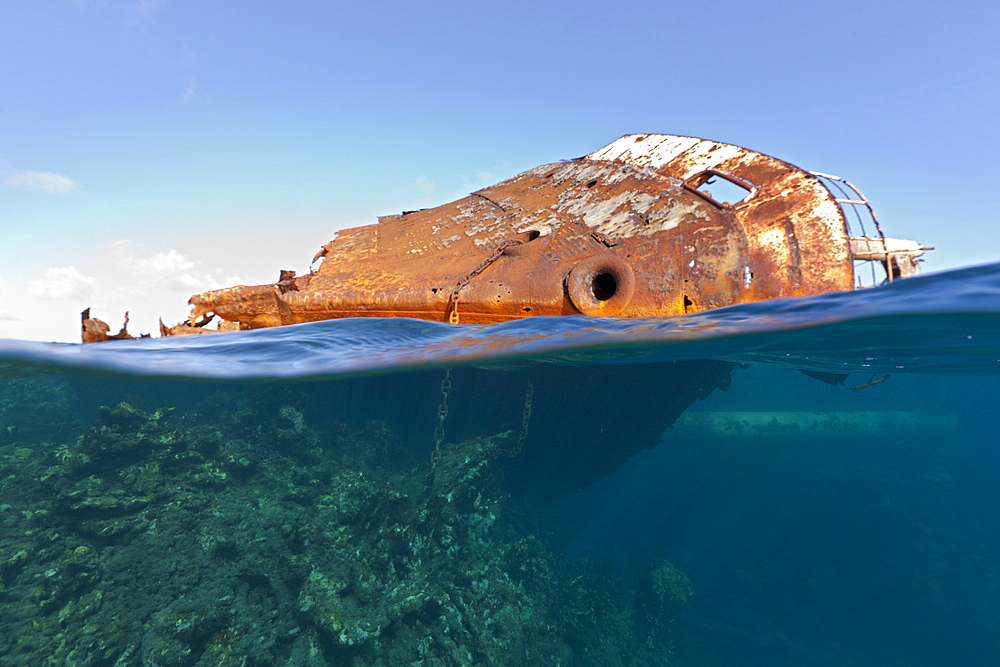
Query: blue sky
<point>150,149</point>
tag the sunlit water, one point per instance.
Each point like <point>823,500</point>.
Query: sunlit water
<point>565,491</point>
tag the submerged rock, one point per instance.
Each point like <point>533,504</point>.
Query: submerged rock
<point>663,591</point>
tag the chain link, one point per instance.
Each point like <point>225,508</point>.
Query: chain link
<point>529,394</point>
<point>511,452</point>
<point>442,411</point>
<point>467,278</point>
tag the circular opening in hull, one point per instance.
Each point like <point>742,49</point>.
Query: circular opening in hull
<point>604,286</point>
<point>600,285</point>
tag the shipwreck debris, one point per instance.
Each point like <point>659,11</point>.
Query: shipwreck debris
<point>650,225</point>
<point>94,330</point>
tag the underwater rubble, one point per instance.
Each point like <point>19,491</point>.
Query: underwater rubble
<point>238,533</point>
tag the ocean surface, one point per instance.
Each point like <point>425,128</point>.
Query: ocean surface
<point>808,481</point>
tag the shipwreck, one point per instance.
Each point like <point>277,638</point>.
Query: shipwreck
<point>650,225</point>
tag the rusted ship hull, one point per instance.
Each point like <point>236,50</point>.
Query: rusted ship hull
<point>651,225</point>
<point>636,229</point>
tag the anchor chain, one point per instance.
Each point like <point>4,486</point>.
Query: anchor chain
<point>529,394</point>
<point>442,410</point>
<point>467,278</point>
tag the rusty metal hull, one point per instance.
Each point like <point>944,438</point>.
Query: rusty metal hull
<point>631,230</point>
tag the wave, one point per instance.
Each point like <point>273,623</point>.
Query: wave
<point>940,323</point>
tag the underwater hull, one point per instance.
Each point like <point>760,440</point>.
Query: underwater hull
<point>554,429</point>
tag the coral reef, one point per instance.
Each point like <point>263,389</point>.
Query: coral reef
<point>662,592</point>
<point>237,533</point>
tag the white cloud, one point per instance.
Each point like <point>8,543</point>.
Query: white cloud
<point>144,11</point>
<point>148,280</point>
<point>62,282</point>
<point>188,57</point>
<point>134,13</point>
<point>89,4</point>
<point>165,261</point>
<point>167,269</point>
<point>427,187</point>
<point>44,181</point>
<point>191,90</point>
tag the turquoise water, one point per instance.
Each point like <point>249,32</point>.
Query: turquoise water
<point>566,491</point>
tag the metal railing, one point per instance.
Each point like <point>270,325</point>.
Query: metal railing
<point>860,217</point>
